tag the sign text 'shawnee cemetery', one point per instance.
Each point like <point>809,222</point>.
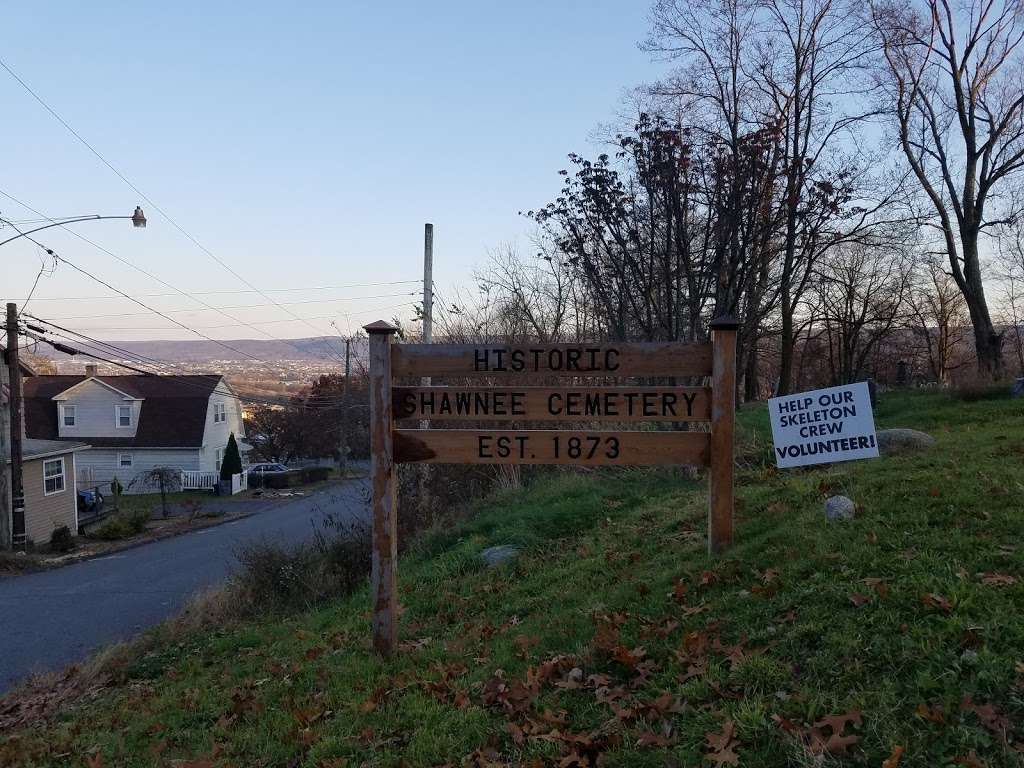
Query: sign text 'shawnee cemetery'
<point>503,388</point>
<point>823,426</point>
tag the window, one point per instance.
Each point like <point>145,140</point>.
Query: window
<point>53,476</point>
<point>124,416</point>
<point>220,457</point>
<point>219,413</point>
<point>124,460</point>
<point>69,415</point>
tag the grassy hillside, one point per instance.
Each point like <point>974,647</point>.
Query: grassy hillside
<point>896,636</point>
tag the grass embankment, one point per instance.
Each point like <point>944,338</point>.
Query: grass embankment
<point>897,635</point>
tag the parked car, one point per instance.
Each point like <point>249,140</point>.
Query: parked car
<point>89,501</point>
<point>266,468</point>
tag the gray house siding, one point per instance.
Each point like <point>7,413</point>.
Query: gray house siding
<point>95,406</point>
<point>98,466</point>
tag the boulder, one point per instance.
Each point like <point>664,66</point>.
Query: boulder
<point>892,441</point>
<point>839,508</point>
<point>495,556</point>
<point>1018,388</point>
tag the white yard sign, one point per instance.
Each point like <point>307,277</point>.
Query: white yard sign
<point>823,426</point>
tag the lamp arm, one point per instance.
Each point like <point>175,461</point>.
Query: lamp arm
<point>93,217</point>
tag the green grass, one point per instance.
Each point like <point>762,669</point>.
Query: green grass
<point>801,620</point>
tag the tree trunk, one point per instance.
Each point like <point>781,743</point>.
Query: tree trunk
<point>988,343</point>
<point>751,376</point>
<point>786,347</point>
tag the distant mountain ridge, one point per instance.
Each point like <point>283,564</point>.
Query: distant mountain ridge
<point>200,351</point>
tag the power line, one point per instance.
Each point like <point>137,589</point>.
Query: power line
<point>238,306</point>
<point>135,267</point>
<point>138,191</point>
<point>234,325</point>
<point>232,292</point>
<point>324,404</point>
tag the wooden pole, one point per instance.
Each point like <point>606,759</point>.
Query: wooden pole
<point>343,437</point>
<point>723,418</point>
<point>17,425</point>
<point>428,284</point>
<point>384,571</point>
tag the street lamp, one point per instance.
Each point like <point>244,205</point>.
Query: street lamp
<point>18,538</point>
<point>138,220</point>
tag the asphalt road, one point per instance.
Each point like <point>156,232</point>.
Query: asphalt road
<point>54,618</point>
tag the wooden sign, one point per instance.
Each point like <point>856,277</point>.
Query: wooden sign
<point>544,446</point>
<point>552,404</point>
<point>510,402</point>
<point>626,359</point>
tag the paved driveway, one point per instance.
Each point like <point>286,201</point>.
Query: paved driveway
<point>53,618</point>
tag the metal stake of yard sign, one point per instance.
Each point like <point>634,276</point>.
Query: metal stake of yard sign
<point>499,401</point>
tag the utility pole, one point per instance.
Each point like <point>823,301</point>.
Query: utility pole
<point>428,284</point>
<point>343,442</point>
<point>428,337</point>
<point>17,484</point>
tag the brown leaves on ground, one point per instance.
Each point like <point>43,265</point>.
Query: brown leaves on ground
<point>515,697</point>
<point>444,688</point>
<point>722,745</point>
<point>826,736</point>
<point>835,741</point>
<point>997,579</point>
<point>990,718</point>
<point>46,696</point>
<point>893,760</point>
<point>970,760</point>
<point>933,600</point>
<point>931,714</point>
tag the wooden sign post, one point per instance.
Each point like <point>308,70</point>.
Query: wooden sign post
<point>506,399</point>
<point>384,568</point>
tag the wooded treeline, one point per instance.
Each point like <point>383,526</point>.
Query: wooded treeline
<point>845,178</point>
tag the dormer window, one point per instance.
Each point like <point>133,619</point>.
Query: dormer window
<point>123,416</point>
<point>219,413</point>
<point>68,415</point>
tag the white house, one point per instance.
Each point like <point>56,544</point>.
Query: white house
<point>134,424</point>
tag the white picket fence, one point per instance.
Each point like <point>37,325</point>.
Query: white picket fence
<point>194,480</point>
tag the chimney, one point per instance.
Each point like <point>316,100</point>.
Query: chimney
<point>90,369</point>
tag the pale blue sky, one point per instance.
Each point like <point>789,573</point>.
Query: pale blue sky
<point>304,144</point>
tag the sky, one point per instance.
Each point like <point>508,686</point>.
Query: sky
<point>303,145</point>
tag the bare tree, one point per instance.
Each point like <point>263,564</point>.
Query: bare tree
<point>791,66</point>
<point>535,295</point>
<point>1011,268</point>
<point>938,311</point>
<point>955,87</point>
<point>861,291</point>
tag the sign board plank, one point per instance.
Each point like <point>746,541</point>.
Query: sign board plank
<point>599,359</point>
<point>553,403</point>
<point>542,446</point>
<point>823,426</point>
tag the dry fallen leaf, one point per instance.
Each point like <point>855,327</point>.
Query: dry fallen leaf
<point>970,760</point>
<point>722,745</point>
<point>894,757</point>
<point>997,579</point>
<point>933,600</point>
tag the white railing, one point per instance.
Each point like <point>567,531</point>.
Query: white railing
<point>194,480</point>
<point>239,483</point>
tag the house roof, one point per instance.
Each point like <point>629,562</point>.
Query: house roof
<point>173,415</point>
<point>26,369</point>
<point>104,380</point>
<point>38,449</point>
